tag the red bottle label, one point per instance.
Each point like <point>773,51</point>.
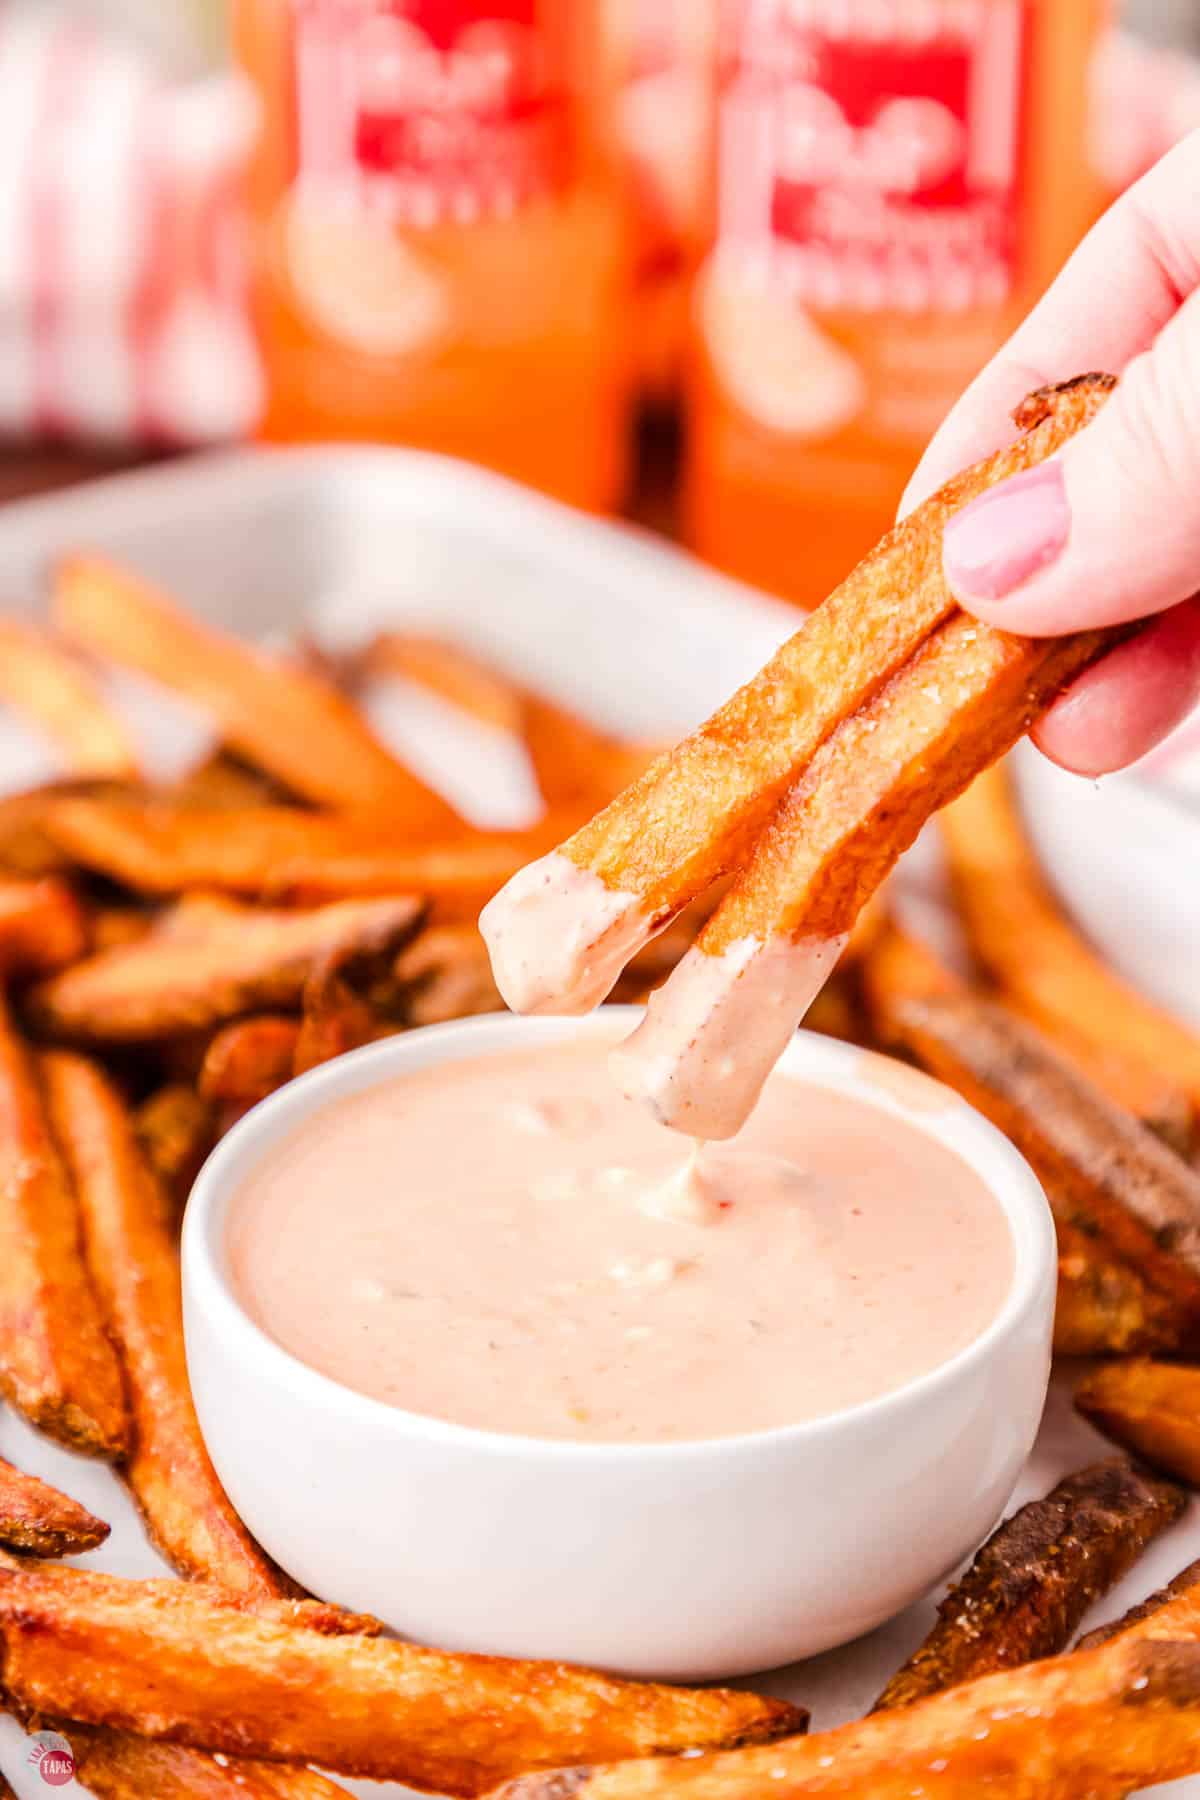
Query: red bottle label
<point>870,152</point>
<point>429,111</point>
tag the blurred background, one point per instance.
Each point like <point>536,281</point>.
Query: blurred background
<point>718,265</point>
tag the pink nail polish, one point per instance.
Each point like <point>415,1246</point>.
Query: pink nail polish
<point>997,542</point>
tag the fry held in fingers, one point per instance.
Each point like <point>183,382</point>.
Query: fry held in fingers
<point>1150,1408</point>
<point>134,1266</point>
<point>563,930</point>
<point>278,715</point>
<point>1030,1585</point>
<point>39,1521</point>
<point>162,1659</point>
<point>57,1365</point>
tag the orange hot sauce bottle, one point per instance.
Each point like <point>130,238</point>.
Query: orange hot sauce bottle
<point>440,248</point>
<point>896,182</point>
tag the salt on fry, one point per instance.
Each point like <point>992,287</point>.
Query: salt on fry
<point>278,715</point>
<point>1023,942</point>
<point>134,1265</point>
<point>38,1520</point>
<point>1030,1585</point>
<point>207,960</point>
<point>166,1660</point>
<point>51,687</point>
<point>42,926</point>
<point>1121,1717</point>
<point>57,1366</point>
<point>1151,1408</point>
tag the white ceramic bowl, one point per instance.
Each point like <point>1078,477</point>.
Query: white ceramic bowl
<point>685,1560</point>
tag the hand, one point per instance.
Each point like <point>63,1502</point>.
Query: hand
<point>1109,529</point>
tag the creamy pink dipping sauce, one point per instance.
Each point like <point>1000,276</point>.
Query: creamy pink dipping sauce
<point>507,1242</point>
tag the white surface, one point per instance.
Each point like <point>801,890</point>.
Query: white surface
<point>613,622</point>
<point>680,1561</point>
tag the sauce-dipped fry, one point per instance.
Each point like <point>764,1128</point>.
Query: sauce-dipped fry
<point>275,713</point>
<point>163,1659</point>
<point>207,960</point>
<point>694,813</point>
<point>42,926</point>
<point>1041,965</point>
<point>1097,1725</point>
<point>51,687</point>
<point>134,1266</point>
<point>38,1520</point>
<point>1151,1408</point>
<point>1032,1582</point>
<point>57,1366</point>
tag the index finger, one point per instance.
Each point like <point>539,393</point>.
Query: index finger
<point>1128,276</point>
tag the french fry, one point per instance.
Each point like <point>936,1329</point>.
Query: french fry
<point>445,974</point>
<point>56,1363</point>
<point>1030,1585</point>
<point>163,1659</point>
<point>576,764</point>
<point>223,783</point>
<point>42,926</point>
<point>448,670</point>
<point>249,1058</point>
<point>176,1131</point>
<point>1104,1308</point>
<point>1022,940</point>
<point>1173,1612</point>
<point>112,1765</point>
<point>1095,1725</point>
<point>1102,1169</point>
<point>333,1018</point>
<point>1150,1408</point>
<point>962,701</point>
<point>134,1266</point>
<point>39,1521</point>
<point>276,714</point>
<point>207,960</point>
<point>695,812</point>
<point>114,925</point>
<point>54,690</point>
<point>279,852</point>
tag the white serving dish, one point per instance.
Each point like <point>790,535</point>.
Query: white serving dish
<point>688,1561</point>
<point>622,625</point>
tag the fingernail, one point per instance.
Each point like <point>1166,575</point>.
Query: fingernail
<point>997,542</point>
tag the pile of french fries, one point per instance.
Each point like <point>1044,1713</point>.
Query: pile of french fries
<point>170,955</point>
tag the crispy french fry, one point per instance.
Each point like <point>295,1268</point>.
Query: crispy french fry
<point>694,813</point>
<point>175,1129</point>
<point>333,1018</point>
<point>1173,1612</point>
<point>279,852</point>
<point>965,697</point>
<point>278,715</point>
<point>445,974</point>
<point>1101,1167</point>
<point>42,926</point>
<point>1030,1585</point>
<point>134,1266</point>
<point>208,960</point>
<point>56,1364</point>
<point>1104,1307</point>
<point>112,1765</point>
<point>249,1058</point>
<point>1150,1408</point>
<point>1041,965</point>
<point>1096,1725</point>
<point>163,1659</point>
<point>39,1521</point>
<point>53,688</point>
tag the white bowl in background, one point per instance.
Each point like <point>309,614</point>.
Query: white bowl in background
<point>686,1560</point>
